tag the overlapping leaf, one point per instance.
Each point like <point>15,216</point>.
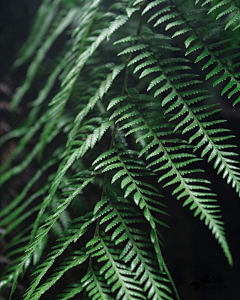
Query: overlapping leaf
<point>172,163</point>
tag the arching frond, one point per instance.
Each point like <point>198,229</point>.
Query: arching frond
<point>223,9</point>
<point>190,117</point>
<point>175,172</point>
<point>136,242</point>
<point>97,287</point>
<point>199,40</point>
<point>130,168</point>
<point>116,273</point>
<point>43,232</point>
<point>72,234</point>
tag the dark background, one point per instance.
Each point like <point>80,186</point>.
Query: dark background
<point>16,17</point>
<point>191,252</point>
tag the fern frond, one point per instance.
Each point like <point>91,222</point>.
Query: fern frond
<point>197,41</point>
<point>117,274</point>
<point>189,117</point>
<point>12,206</point>
<point>43,232</point>
<point>65,22</point>
<point>40,27</point>
<point>114,115</point>
<point>71,291</point>
<point>146,266</point>
<point>75,259</point>
<point>225,8</point>
<point>59,101</point>
<point>130,168</point>
<point>30,157</point>
<point>96,286</point>
<point>103,88</point>
<point>72,234</point>
<point>197,193</point>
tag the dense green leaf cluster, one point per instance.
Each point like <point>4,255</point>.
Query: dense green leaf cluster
<point>120,113</point>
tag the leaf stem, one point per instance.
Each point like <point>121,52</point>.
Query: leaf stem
<point>112,144</point>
